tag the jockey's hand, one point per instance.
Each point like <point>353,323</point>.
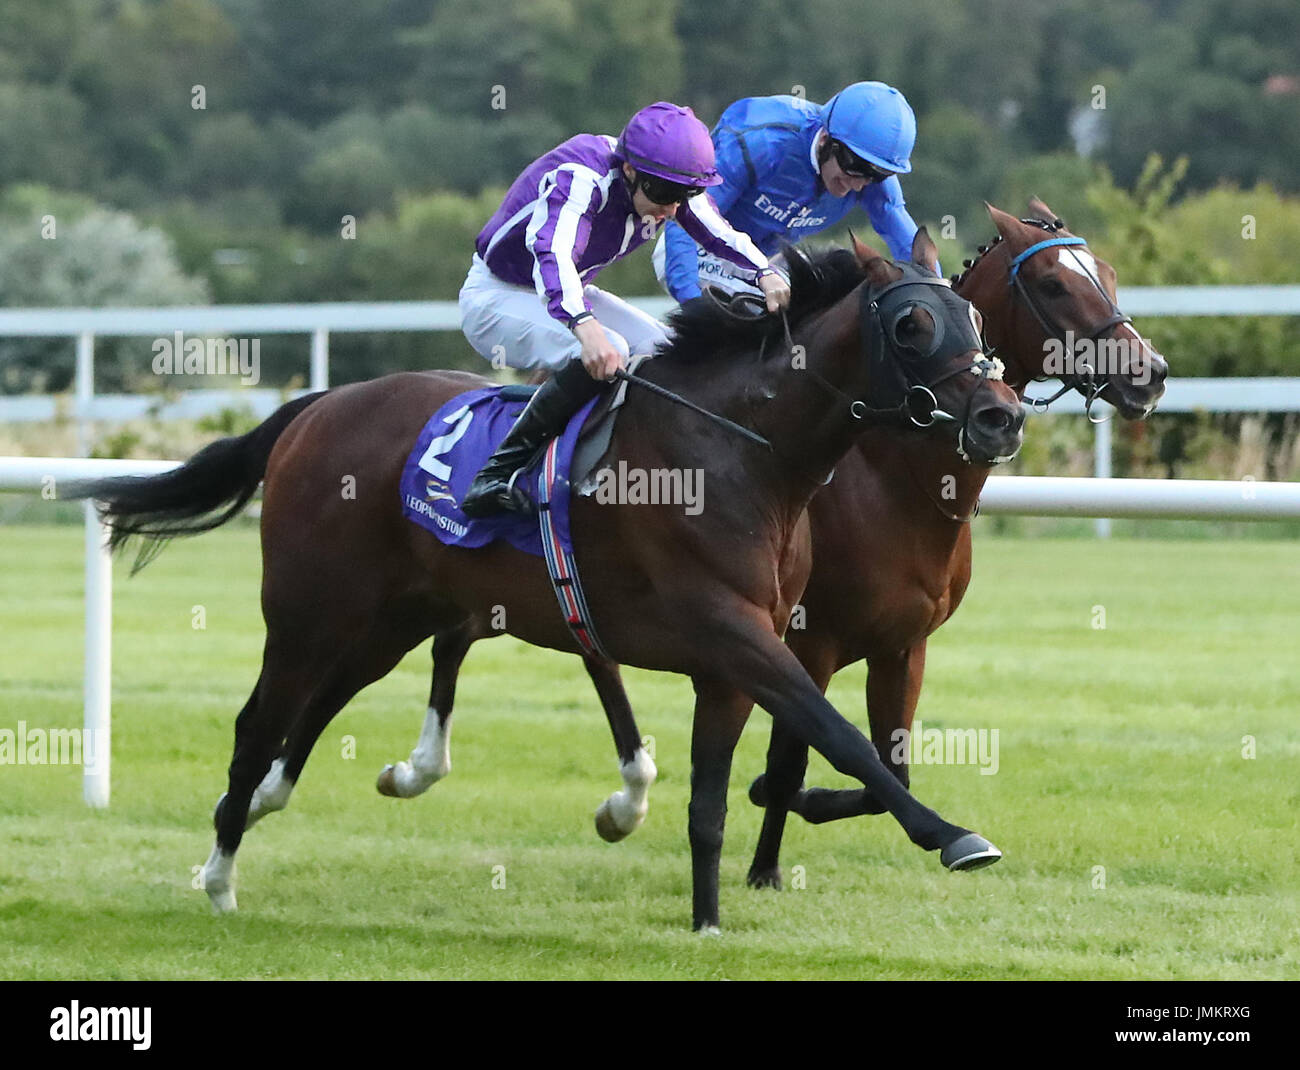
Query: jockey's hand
<point>776,290</point>
<point>599,355</point>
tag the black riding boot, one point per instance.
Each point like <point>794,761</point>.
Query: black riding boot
<point>546,416</point>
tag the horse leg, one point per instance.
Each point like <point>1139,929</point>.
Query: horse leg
<point>273,792</point>
<point>721,711</point>
<point>767,669</point>
<point>779,788</point>
<point>284,689</point>
<point>430,761</point>
<point>622,813</point>
<point>301,688</point>
<point>893,689</point>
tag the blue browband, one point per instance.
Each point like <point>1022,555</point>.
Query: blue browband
<point>1048,243</point>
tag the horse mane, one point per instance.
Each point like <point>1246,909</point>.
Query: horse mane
<point>703,331</point>
<point>969,265</point>
<point>1051,227</point>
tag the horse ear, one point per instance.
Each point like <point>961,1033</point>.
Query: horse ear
<point>1039,210</point>
<point>880,272</point>
<point>1008,225</point>
<point>924,251</point>
<point>864,253</point>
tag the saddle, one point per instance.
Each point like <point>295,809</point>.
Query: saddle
<point>597,431</point>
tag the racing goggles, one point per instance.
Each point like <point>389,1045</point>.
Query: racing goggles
<point>854,166</point>
<point>660,191</point>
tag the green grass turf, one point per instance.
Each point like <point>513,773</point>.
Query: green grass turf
<point>1119,748</point>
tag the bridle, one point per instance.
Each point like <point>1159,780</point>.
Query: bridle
<point>913,381</point>
<point>1084,377</point>
<point>917,403</point>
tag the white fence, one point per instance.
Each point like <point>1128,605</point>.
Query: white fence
<point>319,320</point>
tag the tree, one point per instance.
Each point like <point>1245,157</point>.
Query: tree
<point>1202,240</point>
<point>88,256</point>
<point>585,64</point>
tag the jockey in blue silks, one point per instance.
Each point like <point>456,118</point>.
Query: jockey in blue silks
<point>791,168</point>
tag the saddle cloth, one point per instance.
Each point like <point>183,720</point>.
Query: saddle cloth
<point>458,440</point>
<point>455,443</point>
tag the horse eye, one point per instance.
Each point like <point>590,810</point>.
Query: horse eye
<point>911,327</point>
<point>1052,287</point>
<point>906,330</point>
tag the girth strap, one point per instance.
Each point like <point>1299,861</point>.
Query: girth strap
<point>561,566</point>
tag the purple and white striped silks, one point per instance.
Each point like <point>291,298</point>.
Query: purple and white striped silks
<point>570,214</point>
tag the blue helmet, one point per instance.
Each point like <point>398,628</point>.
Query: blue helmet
<point>876,122</point>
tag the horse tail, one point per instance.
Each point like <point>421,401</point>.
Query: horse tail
<point>203,493</point>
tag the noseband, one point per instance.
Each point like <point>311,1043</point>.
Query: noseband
<point>1084,378</point>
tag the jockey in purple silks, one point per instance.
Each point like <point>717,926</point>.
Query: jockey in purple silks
<point>528,301</point>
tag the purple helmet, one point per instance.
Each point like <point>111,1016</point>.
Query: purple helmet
<point>669,142</point>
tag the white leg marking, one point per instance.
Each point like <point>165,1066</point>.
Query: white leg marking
<point>271,795</point>
<point>219,881</point>
<point>626,809</point>
<point>429,763</point>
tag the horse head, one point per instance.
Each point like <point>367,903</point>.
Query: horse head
<point>1050,304</point>
<point>925,356</point>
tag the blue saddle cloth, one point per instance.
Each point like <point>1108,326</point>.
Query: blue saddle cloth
<point>455,443</point>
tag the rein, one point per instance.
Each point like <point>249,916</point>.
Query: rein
<point>919,405</point>
<point>722,421</point>
<point>860,410</point>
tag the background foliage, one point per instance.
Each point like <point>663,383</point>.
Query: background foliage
<point>412,116</point>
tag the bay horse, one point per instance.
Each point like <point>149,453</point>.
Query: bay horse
<point>891,532</point>
<point>350,585</point>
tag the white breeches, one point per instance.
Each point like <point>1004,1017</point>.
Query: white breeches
<point>509,324</point>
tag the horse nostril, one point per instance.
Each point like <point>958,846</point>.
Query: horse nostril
<point>996,419</point>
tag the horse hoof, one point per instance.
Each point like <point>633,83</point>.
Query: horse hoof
<point>386,785</point>
<point>758,790</point>
<point>708,930</point>
<point>765,878</point>
<point>606,827</point>
<point>223,902</point>
<point>971,851</point>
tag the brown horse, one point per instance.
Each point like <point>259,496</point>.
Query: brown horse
<point>349,585</point>
<point>891,535</point>
<point>892,550</point>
